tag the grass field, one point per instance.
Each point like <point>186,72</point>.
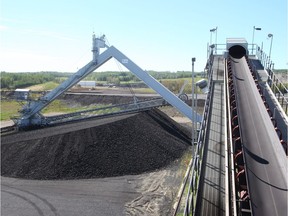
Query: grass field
<point>175,85</point>
<point>59,107</point>
<point>9,109</point>
<point>43,87</point>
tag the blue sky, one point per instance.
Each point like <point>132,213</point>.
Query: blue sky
<point>42,35</point>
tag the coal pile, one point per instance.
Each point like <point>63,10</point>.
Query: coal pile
<point>144,142</point>
<point>86,100</point>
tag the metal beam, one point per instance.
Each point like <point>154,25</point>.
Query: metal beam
<point>155,85</point>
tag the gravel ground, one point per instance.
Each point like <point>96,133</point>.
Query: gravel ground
<point>116,146</point>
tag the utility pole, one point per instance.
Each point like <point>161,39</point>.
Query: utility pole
<point>254,28</point>
<point>193,112</point>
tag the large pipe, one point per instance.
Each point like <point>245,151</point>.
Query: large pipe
<point>237,51</point>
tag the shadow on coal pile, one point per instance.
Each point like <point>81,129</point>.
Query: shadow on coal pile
<point>133,145</point>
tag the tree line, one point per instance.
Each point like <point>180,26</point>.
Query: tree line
<point>126,77</point>
<point>26,79</point>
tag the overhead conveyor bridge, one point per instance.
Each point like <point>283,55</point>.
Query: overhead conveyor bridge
<point>240,163</point>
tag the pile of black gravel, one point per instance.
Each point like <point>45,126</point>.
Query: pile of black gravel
<point>86,100</point>
<point>140,143</point>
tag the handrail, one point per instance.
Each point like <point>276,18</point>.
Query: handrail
<point>213,48</point>
<point>278,92</point>
<point>278,88</point>
<point>194,169</point>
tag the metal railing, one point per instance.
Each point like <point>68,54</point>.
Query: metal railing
<point>279,89</point>
<point>191,181</point>
<point>253,49</point>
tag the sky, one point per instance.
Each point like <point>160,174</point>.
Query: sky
<point>56,35</point>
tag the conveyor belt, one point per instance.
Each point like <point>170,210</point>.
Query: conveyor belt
<point>265,159</point>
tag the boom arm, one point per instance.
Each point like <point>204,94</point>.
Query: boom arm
<point>155,85</point>
<point>31,110</point>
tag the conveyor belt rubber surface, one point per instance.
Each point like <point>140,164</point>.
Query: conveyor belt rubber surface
<point>265,160</point>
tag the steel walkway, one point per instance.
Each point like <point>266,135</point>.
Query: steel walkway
<point>212,182</point>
